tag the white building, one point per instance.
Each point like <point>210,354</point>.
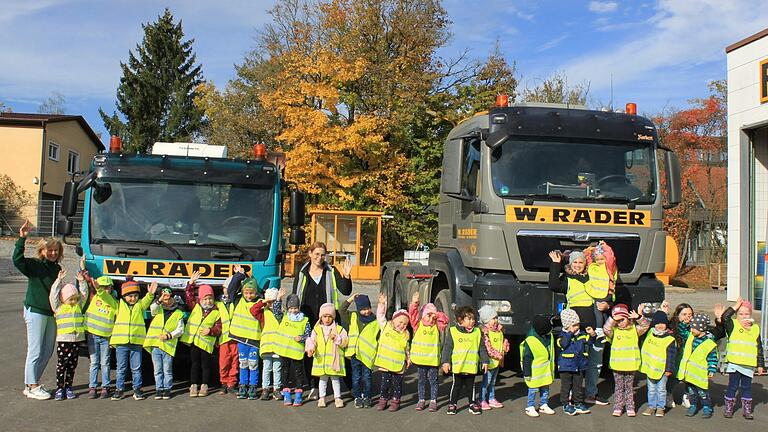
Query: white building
<point>747,163</point>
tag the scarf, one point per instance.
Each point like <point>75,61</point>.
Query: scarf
<point>327,329</point>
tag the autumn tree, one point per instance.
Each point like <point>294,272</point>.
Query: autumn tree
<point>556,89</point>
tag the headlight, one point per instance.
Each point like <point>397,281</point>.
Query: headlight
<point>498,305</point>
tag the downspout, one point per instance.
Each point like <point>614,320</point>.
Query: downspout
<point>42,170</point>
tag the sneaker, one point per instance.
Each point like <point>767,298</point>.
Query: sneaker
<point>686,402</point>
<point>224,390</point>
<point>25,392</point>
<point>451,410</point>
<point>252,392</point>
<point>60,395</point>
<point>287,398</point>
<point>659,412</point>
<point>631,413</point>
<point>616,413</point>
<point>70,393</point>
<point>706,413</point>
<point>432,406</point>
<point>581,409</point>
<point>569,409</point>
<point>166,394</point>
<point>203,390</point>
<point>38,393</point>
<point>359,402</point>
<point>420,405</point>
<point>266,395</point>
<point>484,406</point>
<point>545,409</point>
<point>394,405</point>
<point>691,411</point>
<point>594,400</point>
<point>117,395</point>
<point>277,395</point>
<point>495,404</point>
<point>242,392</point>
<point>367,402</point>
<point>649,411</point>
<point>382,405</point>
<point>531,411</point>
<point>297,398</point>
<point>321,402</point>
<point>138,395</point>
<point>338,402</point>
<point>92,394</point>
<point>193,392</point>
<point>104,393</point>
<point>159,394</point>
<point>475,409</point>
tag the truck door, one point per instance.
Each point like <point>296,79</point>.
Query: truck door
<point>466,232</point>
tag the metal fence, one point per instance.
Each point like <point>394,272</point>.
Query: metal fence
<point>48,213</point>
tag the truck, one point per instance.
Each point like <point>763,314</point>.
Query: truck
<point>183,208</point>
<point>521,180</point>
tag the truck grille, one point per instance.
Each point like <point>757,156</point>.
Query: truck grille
<point>534,245</point>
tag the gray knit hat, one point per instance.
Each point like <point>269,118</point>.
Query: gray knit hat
<point>569,317</point>
<point>487,313</point>
<point>292,301</point>
<point>574,255</point>
<point>700,322</point>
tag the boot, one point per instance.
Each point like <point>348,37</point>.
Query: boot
<point>730,406</point>
<point>297,398</point>
<point>287,397</point>
<point>746,404</point>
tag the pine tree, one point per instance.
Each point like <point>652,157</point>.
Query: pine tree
<point>157,90</point>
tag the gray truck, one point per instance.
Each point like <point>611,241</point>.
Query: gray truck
<point>522,180</point>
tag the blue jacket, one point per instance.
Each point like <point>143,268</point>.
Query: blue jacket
<point>574,351</point>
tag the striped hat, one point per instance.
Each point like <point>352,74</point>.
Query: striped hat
<point>129,287</point>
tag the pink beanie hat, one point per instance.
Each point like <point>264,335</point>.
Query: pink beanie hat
<point>398,313</point>
<point>328,309</point>
<point>428,309</point>
<point>67,291</point>
<point>204,290</point>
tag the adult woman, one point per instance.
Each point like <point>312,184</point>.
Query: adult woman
<point>318,282</point>
<point>38,316</point>
<point>574,284</point>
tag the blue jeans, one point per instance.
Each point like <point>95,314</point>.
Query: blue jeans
<point>657,392</point>
<point>163,365</point>
<point>248,357</point>
<point>272,367</point>
<point>41,340</point>
<point>593,370</point>
<point>488,387</point>
<point>736,380</point>
<point>129,354</point>
<point>98,350</point>
<point>532,392</point>
<point>361,379</point>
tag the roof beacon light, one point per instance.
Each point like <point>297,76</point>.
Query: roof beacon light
<point>632,108</point>
<point>260,151</point>
<point>115,144</point>
<point>502,101</point>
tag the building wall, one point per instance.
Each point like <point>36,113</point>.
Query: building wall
<point>21,152</point>
<point>745,116</point>
<point>70,137</point>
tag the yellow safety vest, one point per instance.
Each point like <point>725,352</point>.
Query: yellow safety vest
<point>497,343</point>
<point>129,324</point>
<point>69,319</point>
<point>285,343</point>
<point>654,355</point>
<point>742,344</point>
<point>224,313</point>
<point>100,314</point>
<point>543,364</point>
<point>625,350</point>
<point>362,343</point>
<point>331,292</point>
<point>269,334</point>
<point>192,330</point>
<point>425,346</point>
<point>577,294</point>
<point>599,283</point>
<point>243,324</point>
<point>693,365</point>
<point>390,354</point>
<point>158,326</point>
<point>322,363</point>
<point>466,355</point>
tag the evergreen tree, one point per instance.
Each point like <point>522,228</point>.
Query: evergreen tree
<point>157,90</point>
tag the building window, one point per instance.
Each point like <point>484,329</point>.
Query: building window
<point>73,162</point>
<point>53,151</point>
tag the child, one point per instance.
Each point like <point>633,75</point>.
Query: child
<point>698,365</point>
<point>464,355</point>
<point>128,336</point>
<point>200,333</point>
<point>744,354</point>
<point>326,346</point>
<point>246,330</point>
<point>99,320</point>
<point>361,351</point>
<point>294,330</point>
<point>228,360</point>
<point>266,312</point>
<point>537,354</point>
<point>163,335</point>
<point>67,303</point>
<point>428,328</point>
<point>573,362</point>
<point>625,354</point>
<point>391,355</point>
<point>658,355</point>
<point>602,271</point>
<point>496,346</point>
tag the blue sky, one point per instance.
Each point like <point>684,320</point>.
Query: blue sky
<point>660,53</point>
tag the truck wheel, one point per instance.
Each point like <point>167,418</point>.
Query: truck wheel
<point>443,304</point>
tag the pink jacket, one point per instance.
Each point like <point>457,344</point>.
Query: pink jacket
<point>414,315</point>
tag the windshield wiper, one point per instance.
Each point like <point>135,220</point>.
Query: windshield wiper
<point>246,254</point>
<point>531,197</point>
<point>144,242</point>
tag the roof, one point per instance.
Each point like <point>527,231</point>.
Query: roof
<point>746,41</point>
<point>29,119</point>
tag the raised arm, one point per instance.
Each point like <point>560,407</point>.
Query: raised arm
<point>381,311</point>
<point>24,265</point>
<point>53,297</point>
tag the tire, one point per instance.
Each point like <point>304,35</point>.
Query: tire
<point>443,304</point>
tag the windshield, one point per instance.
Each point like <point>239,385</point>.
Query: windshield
<point>575,171</point>
<point>181,213</point>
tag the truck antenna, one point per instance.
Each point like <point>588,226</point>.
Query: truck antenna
<point>611,101</point>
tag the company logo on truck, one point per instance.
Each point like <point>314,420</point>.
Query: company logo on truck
<point>168,268</point>
<point>580,216</point>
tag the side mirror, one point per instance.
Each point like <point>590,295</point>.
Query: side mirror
<point>69,199</point>
<point>296,211</point>
<point>674,194</point>
<point>298,236</point>
<point>64,226</point>
<point>453,157</point>
<point>497,138</point>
